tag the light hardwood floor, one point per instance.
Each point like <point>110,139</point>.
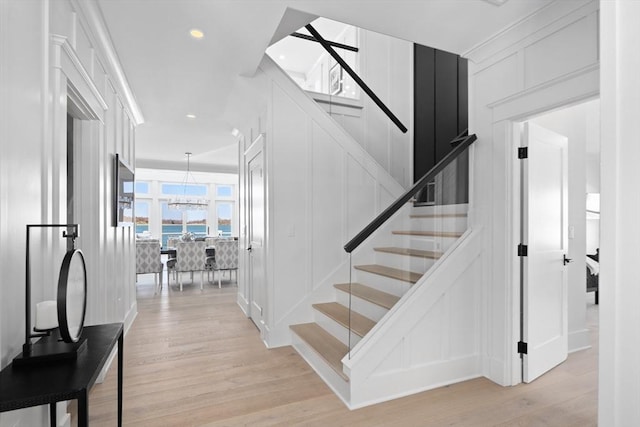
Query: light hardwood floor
<point>193,359</point>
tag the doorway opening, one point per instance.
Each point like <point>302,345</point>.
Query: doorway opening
<point>566,314</point>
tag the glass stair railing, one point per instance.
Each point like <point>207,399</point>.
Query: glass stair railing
<point>393,252</point>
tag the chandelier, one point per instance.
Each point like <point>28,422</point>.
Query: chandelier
<point>187,202</point>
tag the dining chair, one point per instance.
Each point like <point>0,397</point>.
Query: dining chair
<point>226,259</point>
<point>191,257</point>
<point>148,260</point>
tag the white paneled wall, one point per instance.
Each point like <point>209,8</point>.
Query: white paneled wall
<point>619,372</point>
<point>322,188</point>
<point>386,66</point>
<point>430,338</point>
<point>549,60</point>
<point>54,59</point>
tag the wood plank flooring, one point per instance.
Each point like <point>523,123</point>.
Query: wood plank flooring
<point>193,359</point>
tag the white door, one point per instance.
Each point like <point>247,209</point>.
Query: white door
<point>257,282</point>
<point>545,232</point>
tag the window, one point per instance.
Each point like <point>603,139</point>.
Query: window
<point>189,190</point>
<point>224,191</point>
<point>224,212</point>
<point>171,223</point>
<point>142,187</point>
<point>197,222</point>
<point>176,223</point>
<point>142,216</point>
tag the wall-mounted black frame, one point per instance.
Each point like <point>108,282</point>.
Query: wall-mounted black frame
<point>123,193</point>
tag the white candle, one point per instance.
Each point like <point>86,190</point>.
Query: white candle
<point>46,315</point>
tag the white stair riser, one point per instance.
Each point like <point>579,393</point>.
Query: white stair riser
<point>382,283</point>
<point>336,329</point>
<point>439,224</point>
<point>361,306</point>
<point>414,242</point>
<point>425,243</point>
<point>404,262</point>
<point>442,209</point>
<point>336,382</point>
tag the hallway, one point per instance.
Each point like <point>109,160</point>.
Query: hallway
<point>192,358</point>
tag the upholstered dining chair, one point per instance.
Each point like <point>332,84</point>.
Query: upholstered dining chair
<point>191,257</point>
<point>148,260</point>
<point>226,259</point>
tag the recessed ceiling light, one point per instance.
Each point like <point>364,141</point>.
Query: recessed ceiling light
<point>281,57</point>
<point>191,116</point>
<point>196,33</point>
<point>235,132</point>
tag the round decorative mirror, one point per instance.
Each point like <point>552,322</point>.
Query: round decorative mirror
<point>72,296</point>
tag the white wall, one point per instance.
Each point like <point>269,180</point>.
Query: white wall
<point>386,66</point>
<point>317,78</point>
<point>573,122</point>
<point>619,371</point>
<point>36,68</point>
<point>322,188</point>
<point>546,61</point>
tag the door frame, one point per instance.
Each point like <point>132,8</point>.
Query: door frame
<point>522,227</point>
<point>509,130</point>
<point>256,148</point>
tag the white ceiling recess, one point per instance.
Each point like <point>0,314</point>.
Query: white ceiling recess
<point>173,75</point>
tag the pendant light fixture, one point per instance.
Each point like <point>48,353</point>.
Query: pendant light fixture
<point>187,202</point>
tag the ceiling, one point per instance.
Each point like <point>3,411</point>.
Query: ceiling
<point>172,74</point>
<point>297,55</point>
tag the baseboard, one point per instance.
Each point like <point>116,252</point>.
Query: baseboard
<point>579,340</point>
<point>128,322</point>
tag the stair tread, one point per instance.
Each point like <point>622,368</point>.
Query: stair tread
<point>370,294</point>
<point>442,215</point>
<point>429,233</point>
<point>360,325</point>
<point>324,344</point>
<point>410,252</point>
<point>394,273</point>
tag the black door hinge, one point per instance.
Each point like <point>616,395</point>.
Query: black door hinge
<point>523,153</point>
<point>522,347</point>
<point>522,250</point>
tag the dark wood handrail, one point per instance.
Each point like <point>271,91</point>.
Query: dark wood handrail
<point>464,142</point>
<point>355,77</point>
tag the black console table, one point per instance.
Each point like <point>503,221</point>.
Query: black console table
<point>26,386</point>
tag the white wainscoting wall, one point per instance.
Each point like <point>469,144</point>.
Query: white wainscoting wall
<point>549,60</point>
<point>322,188</point>
<point>55,55</point>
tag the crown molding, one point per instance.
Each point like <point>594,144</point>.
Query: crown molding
<point>74,92</point>
<point>89,12</point>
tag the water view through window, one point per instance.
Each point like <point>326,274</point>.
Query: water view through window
<point>154,219</point>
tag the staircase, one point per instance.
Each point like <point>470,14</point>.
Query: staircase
<point>407,252</point>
